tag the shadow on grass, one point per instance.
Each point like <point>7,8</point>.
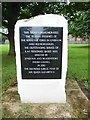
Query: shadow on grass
<point>86,46</point>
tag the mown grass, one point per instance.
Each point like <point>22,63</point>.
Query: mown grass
<point>77,64</point>
<point>78,61</point>
<point>8,68</point>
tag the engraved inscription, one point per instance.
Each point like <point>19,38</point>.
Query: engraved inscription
<point>41,52</point>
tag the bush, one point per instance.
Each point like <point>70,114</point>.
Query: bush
<point>3,38</point>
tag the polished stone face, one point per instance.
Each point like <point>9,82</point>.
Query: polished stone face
<point>41,52</point>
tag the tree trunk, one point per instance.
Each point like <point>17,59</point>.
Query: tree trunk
<point>11,40</point>
<point>13,11</point>
<point>75,38</point>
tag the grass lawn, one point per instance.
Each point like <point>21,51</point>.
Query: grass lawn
<point>78,61</point>
<point>8,68</point>
<point>77,64</point>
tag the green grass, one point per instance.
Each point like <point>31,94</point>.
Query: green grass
<point>8,68</point>
<point>78,61</point>
<point>77,64</point>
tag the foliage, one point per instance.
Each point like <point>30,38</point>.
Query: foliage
<point>3,38</point>
<point>0,38</point>
<point>76,13</point>
<point>79,27</point>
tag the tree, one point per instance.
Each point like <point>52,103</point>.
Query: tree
<point>79,20</point>
<point>79,27</point>
<point>78,24</point>
<point>12,11</point>
<point>10,14</point>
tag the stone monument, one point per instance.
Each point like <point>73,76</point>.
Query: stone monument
<point>41,58</point>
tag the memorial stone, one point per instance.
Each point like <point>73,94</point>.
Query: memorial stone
<point>41,58</point>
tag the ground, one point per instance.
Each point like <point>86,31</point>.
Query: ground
<point>13,108</point>
<point>77,71</point>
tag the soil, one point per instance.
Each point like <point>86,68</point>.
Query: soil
<point>73,108</point>
<point>85,91</point>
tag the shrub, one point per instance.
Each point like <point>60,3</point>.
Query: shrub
<point>3,38</point>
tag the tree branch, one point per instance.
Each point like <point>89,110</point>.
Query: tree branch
<point>4,34</point>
